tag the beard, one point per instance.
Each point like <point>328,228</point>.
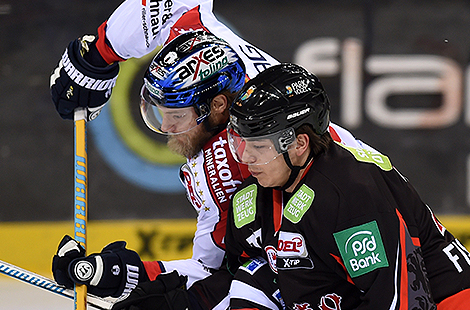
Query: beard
<point>189,144</point>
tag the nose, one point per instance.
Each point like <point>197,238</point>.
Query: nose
<point>168,126</point>
<point>248,157</point>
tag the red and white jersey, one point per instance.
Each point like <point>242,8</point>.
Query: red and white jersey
<point>210,179</point>
<point>135,29</point>
<point>138,27</point>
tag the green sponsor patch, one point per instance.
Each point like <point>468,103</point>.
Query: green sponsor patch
<point>367,156</point>
<point>299,203</point>
<point>361,248</point>
<point>244,205</point>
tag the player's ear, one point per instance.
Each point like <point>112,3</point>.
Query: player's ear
<point>303,141</point>
<point>219,104</point>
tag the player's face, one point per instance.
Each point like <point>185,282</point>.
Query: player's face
<point>273,174</point>
<point>176,121</point>
<point>166,120</point>
<point>188,144</point>
<point>191,142</point>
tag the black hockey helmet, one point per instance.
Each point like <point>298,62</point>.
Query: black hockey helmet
<point>187,74</point>
<point>274,104</point>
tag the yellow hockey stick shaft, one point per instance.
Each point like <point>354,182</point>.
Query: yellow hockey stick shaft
<point>81,195</point>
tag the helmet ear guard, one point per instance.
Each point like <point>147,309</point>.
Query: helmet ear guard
<point>286,139</point>
<point>203,110</point>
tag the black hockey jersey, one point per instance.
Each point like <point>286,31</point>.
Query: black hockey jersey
<point>354,235</point>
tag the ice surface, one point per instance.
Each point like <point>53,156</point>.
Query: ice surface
<point>16,295</point>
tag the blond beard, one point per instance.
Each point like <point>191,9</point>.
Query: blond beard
<point>190,143</point>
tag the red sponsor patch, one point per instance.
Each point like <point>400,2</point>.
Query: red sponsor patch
<point>303,306</point>
<point>330,302</point>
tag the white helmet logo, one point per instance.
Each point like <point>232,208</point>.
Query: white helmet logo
<point>170,58</point>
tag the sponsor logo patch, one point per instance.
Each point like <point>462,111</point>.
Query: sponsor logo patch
<point>277,295</point>
<point>330,302</point>
<point>292,252</point>
<point>253,265</point>
<point>291,244</point>
<point>302,306</point>
<point>271,253</point>
<point>299,204</point>
<point>366,156</point>
<point>361,248</point>
<point>244,206</point>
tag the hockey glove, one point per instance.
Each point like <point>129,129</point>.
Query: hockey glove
<point>166,292</point>
<point>114,272</point>
<point>68,250</point>
<point>77,83</point>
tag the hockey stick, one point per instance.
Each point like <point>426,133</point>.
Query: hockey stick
<point>81,195</point>
<point>49,285</point>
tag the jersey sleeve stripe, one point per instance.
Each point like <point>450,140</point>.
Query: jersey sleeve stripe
<point>403,267</point>
<point>153,269</point>
<point>104,48</point>
<point>344,268</point>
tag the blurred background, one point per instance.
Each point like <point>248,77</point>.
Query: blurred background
<point>397,73</point>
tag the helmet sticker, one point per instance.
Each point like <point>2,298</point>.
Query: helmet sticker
<point>248,92</point>
<point>198,40</point>
<point>155,91</point>
<point>158,71</point>
<point>202,65</point>
<point>298,113</point>
<point>289,90</point>
<point>300,87</point>
<point>170,58</point>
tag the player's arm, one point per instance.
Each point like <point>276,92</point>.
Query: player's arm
<point>135,30</point>
<point>87,70</point>
<point>384,262</point>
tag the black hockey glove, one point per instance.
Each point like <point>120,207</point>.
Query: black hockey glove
<point>68,250</point>
<point>166,292</point>
<point>77,83</point>
<point>114,272</point>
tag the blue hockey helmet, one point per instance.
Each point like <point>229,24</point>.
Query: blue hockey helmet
<point>184,77</point>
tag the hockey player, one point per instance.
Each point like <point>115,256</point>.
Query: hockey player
<point>85,77</point>
<point>342,228</point>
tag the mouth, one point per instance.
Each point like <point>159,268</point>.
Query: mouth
<point>254,172</point>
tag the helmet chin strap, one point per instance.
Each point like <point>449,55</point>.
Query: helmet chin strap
<point>295,170</point>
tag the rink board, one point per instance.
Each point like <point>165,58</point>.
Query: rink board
<point>31,245</point>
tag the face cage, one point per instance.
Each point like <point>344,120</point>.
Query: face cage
<point>262,150</point>
<point>155,115</point>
